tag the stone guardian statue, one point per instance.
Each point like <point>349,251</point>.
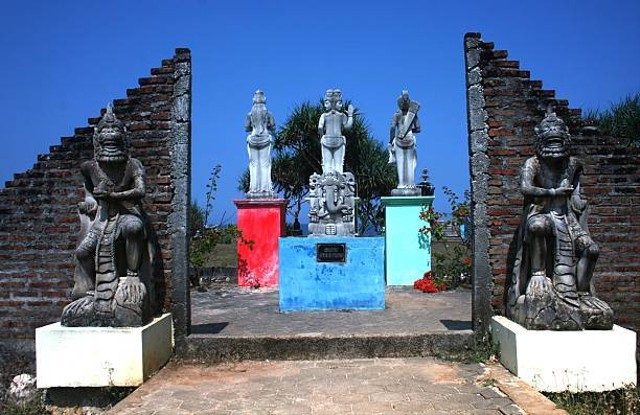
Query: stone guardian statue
<point>261,124</point>
<point>551,285</point>
<point>113,257</point>
<point>402,145</point>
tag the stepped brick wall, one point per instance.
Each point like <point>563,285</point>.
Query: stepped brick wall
<point>504,105</point>
<point>38,208</point>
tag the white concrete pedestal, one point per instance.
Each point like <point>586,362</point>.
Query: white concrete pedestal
<point>102,356</point>
<point>575,361</point>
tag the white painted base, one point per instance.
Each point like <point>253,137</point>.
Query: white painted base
<point>102,356</point>
<point>575,361</point>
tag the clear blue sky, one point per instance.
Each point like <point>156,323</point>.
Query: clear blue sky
<point>64,60</point>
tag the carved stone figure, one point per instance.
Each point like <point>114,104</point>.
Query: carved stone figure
<point>332,194</point>
<point>332,200</point>
<point>551,285</point>
<point>262,125</point>
<point>402,145</point>
<point>332,122</point>
<point>113,257</point>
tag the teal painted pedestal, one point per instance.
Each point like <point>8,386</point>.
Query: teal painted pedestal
<point>408,251</point>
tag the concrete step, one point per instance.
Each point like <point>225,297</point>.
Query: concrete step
<point>231,323</point>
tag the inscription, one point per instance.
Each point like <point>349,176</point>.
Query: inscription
<point>331,252</point>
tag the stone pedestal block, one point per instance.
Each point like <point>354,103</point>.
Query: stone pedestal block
<point>102,356</point>
<point>262,222</point>
<point>575,361</point>
<point>331,274</point>
<point>408,251</point>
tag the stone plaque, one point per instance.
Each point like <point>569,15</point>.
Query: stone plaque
<point>331,252</point>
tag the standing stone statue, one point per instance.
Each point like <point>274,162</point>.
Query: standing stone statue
<point>551,285</point>
<point>332,122</point>
<point>332,194</point>
<point>402,145</point>
<point>262,125</point>
<point>113,258</point>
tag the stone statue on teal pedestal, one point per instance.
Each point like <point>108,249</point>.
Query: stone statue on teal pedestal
<point>402,145</point>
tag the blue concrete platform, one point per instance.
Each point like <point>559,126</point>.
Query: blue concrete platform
<point>309,283</point>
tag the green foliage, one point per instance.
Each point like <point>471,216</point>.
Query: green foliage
<point>297,155</point>
<point>204,238</point>
<point>453,262</point>
<point>621,120</point>
<point>624,401</point>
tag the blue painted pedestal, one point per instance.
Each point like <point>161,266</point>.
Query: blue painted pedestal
<point>356,284</point>
<point>408,251</point>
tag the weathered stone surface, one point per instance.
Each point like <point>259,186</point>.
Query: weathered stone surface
<point>550,287</point>
<point>402,145</point>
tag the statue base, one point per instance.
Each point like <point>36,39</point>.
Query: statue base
<point>319,274</point>
<point>102,356</point>
<point>575,361</point>
<point>406,191</point>
<point>261,194</point>
<point>262,222</point>
<point>408,251</point>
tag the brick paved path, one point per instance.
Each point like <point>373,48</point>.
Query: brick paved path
<point>360,386</point>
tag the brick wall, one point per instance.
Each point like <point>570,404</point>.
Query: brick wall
<point>38,208</point>
<point>504,105</point>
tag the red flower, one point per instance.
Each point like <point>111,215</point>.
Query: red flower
<point>428,284</point>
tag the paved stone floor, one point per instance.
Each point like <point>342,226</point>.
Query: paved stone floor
<point>355,386</point>
<point>228,311</point>
<point>347,386</point>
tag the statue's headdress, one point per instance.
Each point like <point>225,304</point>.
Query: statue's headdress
<point>109,118</point>
<point>552,137</point>
<point>404,98</point>
<point>259,97</point>
<point>551,126</point>
<point>112,146</point>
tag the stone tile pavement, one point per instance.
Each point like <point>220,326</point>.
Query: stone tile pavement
<point>230,311</point>
<point>352,386</point>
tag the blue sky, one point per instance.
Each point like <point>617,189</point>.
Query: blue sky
<point>62,61</point>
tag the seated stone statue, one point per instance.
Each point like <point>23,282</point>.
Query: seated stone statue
<point>262,125</point>
<point>112,260</point>
<point>551,285</point>
<point>330,127</point>
<point>402,145</point>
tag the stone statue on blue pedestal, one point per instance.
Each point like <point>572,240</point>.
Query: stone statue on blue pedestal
<point>261,124</point>
<point>402,145</point>
<point>332,122</point>
<point>113,259</point>
<point>551,286</point>
<point>332,194</point>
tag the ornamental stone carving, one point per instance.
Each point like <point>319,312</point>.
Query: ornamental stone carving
<point>402,145</point>
<point>332,194</point>
<point>114,256</point>
<point>261,124</point>
<point>551,286</point>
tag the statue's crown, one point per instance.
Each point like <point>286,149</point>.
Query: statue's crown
<point>259,97</point>
<point>333,95</point>
<point>551,126</point>
<point>109,118</point>
<point>404,96</point>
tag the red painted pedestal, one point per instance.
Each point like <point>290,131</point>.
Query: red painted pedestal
<point>262,222</point>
